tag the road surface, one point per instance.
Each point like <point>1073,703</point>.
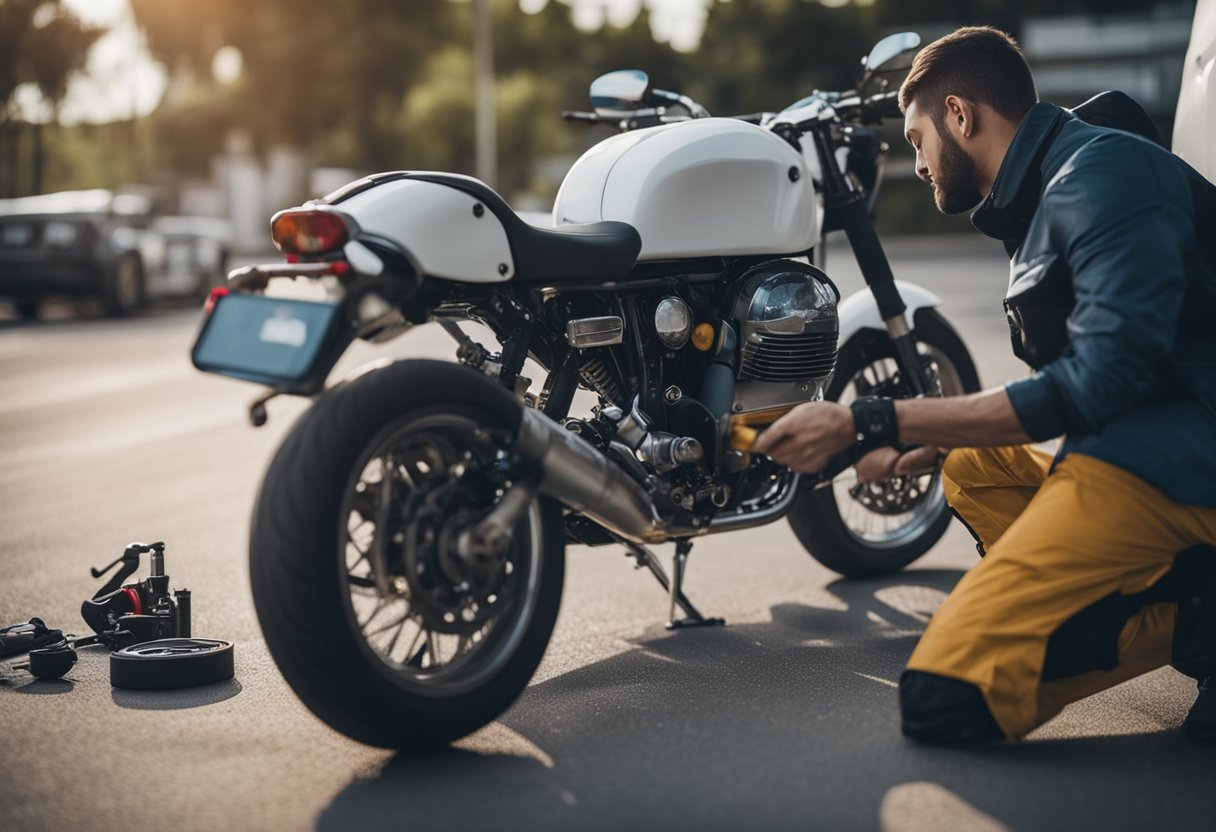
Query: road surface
<point>785,719</point>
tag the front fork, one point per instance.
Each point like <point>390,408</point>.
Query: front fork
<point>848,210</point>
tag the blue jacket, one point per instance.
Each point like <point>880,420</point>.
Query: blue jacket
<point>1119,235</point>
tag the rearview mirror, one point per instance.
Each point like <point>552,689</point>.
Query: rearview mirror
<point>892,53</point>
<point>619,92</point>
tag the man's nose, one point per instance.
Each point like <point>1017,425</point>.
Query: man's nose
<point>922,170</point>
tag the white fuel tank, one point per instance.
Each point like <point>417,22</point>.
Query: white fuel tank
<point>696,188</point>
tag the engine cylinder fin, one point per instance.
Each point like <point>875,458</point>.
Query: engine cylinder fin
<point>788,357</point>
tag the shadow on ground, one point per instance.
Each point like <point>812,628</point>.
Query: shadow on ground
<point>787,725</point>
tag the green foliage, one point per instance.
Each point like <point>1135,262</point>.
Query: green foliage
<point>388,84</point>
<point>41,44</point>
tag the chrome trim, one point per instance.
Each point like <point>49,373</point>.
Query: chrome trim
<point>578,475</point>
<point>585,333</point>
<point>897,327</point>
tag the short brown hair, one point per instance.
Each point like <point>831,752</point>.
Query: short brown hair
<point>978,63</point>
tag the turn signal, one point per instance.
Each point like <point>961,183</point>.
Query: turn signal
<point>308,232</point>
<point>703,336</point>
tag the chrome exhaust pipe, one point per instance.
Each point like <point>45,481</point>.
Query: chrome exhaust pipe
<point>579,476</point>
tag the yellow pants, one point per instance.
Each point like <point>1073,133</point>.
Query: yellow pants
<point>1056,544</point>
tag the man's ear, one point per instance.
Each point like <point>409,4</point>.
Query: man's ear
<point>960,117</point>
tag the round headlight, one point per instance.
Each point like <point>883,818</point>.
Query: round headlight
<point>673,322</point>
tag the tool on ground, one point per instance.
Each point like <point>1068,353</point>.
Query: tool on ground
<point>145,625</point>
<point>145,609</point>
<point>171,663</point>
<point>28,635</point>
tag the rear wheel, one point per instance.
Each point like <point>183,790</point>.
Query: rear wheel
<point>377,622</point>
<point>862,530</point>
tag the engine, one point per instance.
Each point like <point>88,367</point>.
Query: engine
<point>788,333</point>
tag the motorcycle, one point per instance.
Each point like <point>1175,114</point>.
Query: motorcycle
<point>408,542</point>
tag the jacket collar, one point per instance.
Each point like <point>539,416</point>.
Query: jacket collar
<point>1005,213</point>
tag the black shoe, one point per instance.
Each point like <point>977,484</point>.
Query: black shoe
<point>1200,723</point>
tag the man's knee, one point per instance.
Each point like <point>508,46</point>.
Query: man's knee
<point>937,709</point>
<point>962,468</point>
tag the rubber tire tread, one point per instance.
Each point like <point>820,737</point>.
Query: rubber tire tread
<point>295,576</point>
<point>815,517</point>
<point>135,672</point>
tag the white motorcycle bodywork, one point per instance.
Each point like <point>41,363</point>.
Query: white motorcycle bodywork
<point>706,187</point>
<point>701,188</point>
<point>437,228</point>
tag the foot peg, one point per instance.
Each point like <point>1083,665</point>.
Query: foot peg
<point>674,587</point>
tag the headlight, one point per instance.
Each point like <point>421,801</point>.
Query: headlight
<point>673,322</point>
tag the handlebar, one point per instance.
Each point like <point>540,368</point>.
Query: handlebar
<point>647,117</point>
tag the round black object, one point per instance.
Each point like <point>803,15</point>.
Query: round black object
<point>171,663</point>
<point>50,663</point>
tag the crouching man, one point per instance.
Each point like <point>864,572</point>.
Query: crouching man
<point>1097,563</point>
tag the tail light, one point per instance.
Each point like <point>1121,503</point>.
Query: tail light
<point>309,232</point>
<point>213,298</point>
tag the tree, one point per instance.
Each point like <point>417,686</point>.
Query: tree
<point>41,44</point>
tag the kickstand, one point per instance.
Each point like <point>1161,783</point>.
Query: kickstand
<point>674,588</point>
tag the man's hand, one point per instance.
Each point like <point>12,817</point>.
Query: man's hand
<point>808,436</point>
<point>884,463</point>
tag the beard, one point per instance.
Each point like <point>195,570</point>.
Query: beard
<point>954,188</point>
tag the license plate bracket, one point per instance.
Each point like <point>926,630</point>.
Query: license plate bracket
<point>288,344</point>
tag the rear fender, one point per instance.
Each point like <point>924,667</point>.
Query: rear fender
<point>445,232</point>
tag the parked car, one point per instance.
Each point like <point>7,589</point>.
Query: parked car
<point>101,244</point>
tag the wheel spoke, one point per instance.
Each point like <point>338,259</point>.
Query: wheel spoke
<point>432,649</point>
<point>412,606</point>
<point>416,652</point>
<point>400,622</point>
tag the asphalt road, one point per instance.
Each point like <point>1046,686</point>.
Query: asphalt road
<point>785,719</point>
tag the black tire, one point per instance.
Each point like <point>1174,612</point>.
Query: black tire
<point>305,592</point>
<point>27,310</point>
<point>816,517</point>
<point>170,663</point>
<point>122,288</point>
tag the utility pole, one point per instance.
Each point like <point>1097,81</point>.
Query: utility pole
<point>486,120</point>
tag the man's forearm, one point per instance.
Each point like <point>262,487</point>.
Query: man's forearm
<point>978,420</point>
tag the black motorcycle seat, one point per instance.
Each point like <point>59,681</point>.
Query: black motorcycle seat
<point>594,251</point>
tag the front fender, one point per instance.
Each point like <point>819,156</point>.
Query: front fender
<point>860,311</point>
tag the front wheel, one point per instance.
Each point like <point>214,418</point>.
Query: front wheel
<point>376,621</point>
<point>859,530</point>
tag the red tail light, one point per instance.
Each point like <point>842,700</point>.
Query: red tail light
<point>308,232</point>
<point>213,298</point>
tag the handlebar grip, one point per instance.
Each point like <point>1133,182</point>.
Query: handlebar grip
<point>590,118</point>
<point>885,105</point>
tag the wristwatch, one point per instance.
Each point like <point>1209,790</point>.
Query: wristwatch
<point>874,419</point>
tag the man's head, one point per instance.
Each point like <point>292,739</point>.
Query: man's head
<point>962,100</point>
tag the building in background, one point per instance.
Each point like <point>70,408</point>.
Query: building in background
<point>1141,54</point>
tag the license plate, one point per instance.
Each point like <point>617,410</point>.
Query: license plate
<point>288,344</point>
